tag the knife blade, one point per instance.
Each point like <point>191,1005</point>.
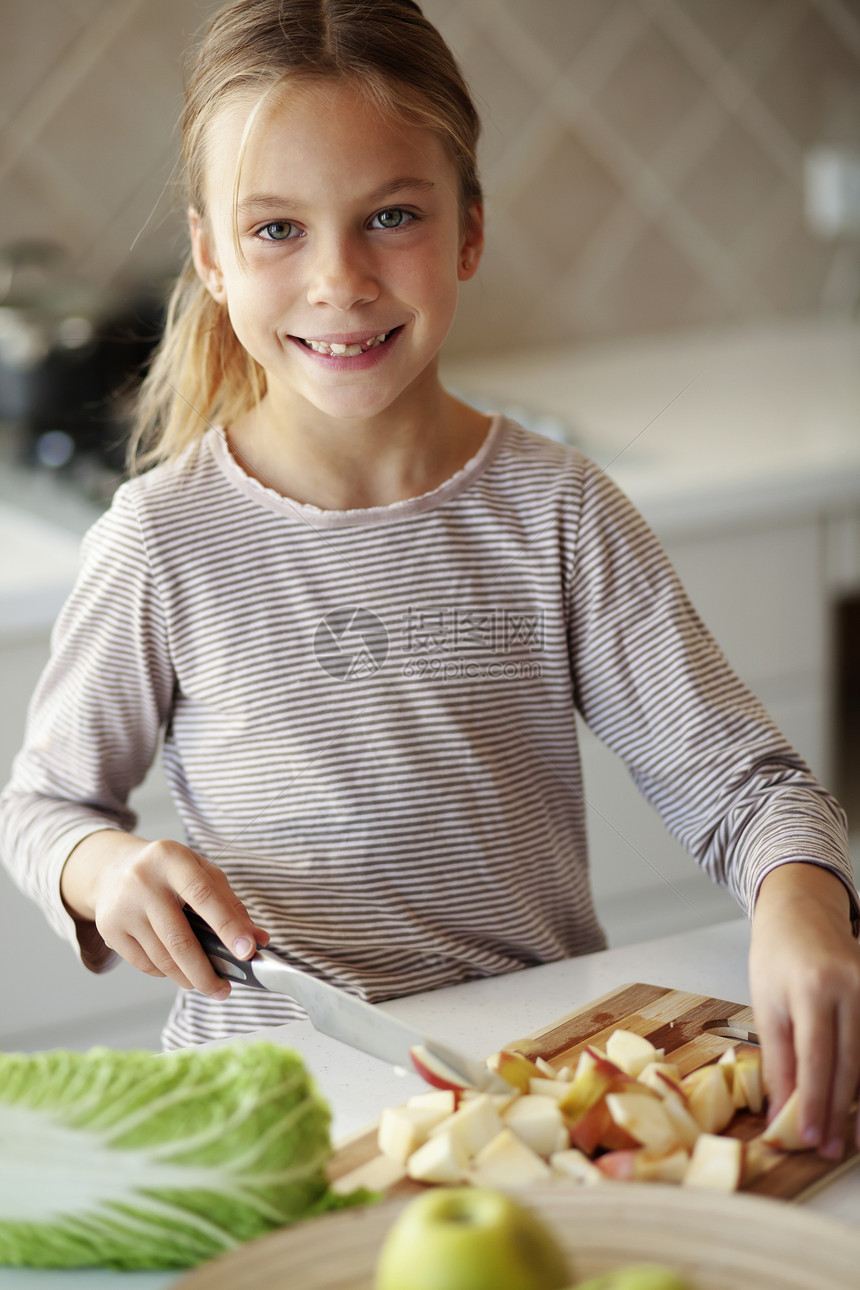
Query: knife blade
<point>340,1015</point>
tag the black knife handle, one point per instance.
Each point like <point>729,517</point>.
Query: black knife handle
<point>224,961</point>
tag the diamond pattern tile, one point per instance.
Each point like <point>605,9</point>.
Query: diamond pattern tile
<point>729,184</point>
<point>648,93</point>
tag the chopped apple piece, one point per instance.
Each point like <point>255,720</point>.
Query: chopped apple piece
<point>645,1119</point>
<point>472,1126</point>
<point>513,1067</point>
<point>402,1129</point>
<point>440,1159</point>
<point>506,1161</point>
<point>709,1099</point>
<point>783,1132</point>
<point>443,1099</point>
<point>555,1088</point>
<point>631,1052</point>
<point>596,1128</point>
<point>727,1064</point>
<point>641,1165</point>
<point>657,1074</point>
<point>545,1069</point>
<point>588,1058</point>
<point>594,1077</point>
<point>686,1126</point>
<point>716,1163</point>
<point>566,1074</point>
<point>748,1087</point>
<point>378,1174</point>
<point>618,1165</point>
<point>499,1100</point>
<point>669,1168</point>
<point>759,1157</point>
<point>571,1163</point>
<point>537,1120</point>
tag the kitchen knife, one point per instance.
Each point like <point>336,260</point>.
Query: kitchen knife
<point>726,1028</point>
<point>334,1012</point>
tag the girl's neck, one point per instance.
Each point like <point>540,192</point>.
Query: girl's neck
<point>351,465</point>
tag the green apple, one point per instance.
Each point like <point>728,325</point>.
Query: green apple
<point>470,1238</point>
<point>637,1276</point>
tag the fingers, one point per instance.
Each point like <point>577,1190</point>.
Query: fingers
<point>211,896</point>
<point>846,1078</point>
<point>816,1053</point>
<point>778,1058</point>
<point>825,1053</point>
<point>139,914</point>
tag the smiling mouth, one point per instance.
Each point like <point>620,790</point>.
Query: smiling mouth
<point>334,349</point>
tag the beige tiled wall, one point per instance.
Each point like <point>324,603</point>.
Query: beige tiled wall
<point>643,159</point>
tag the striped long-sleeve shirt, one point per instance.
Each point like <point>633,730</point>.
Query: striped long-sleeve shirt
<point>369,716</point>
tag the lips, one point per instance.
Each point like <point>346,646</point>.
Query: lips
<point>335,348</point>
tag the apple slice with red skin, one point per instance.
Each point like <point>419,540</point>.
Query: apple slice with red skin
<point>595,1076</point>
<point>645,1119</point>
<point>584,1108</point>
<point>644,1166</point>
<point>596,1128</point>
<point>436,1072</point>
<point>515,1068</point>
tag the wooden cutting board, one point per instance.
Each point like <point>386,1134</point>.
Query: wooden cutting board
<point>673,1020</point>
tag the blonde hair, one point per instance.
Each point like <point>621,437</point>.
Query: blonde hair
<point>201,374</point>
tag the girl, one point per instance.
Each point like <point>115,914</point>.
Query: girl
<point>362,614</point>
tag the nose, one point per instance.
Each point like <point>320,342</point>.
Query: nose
<point>341,274</point>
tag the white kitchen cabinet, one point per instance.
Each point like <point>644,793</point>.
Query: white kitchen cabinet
<point>761,593</point>
<point>49,998</point>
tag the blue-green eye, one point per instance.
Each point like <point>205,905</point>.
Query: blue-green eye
<point>280,230</point>
<point>393,217</point>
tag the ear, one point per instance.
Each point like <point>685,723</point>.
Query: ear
<point>205,259</point>
<point>472,244</point>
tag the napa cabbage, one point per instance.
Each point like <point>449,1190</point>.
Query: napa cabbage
<point>143,1160</point>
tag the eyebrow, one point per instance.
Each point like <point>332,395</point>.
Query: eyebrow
<point>390,189</point>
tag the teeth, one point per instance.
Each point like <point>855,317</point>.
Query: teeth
<point>345,351</point>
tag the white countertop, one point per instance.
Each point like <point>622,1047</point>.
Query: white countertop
<point>481,1017</point>
<point>705,426</point>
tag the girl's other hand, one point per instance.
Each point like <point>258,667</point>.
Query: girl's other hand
<point>132,892</point>
<point>805,984</point>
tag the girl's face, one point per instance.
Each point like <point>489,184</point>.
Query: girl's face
<point>350,228</point>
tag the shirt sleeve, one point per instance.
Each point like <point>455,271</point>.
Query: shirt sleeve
<point>94,720</point>
<point>652,683</point>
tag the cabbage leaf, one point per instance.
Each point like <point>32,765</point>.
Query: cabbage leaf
<point>143,1160</point>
